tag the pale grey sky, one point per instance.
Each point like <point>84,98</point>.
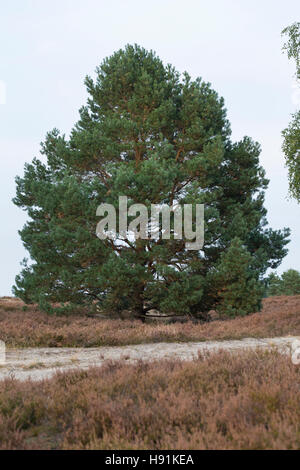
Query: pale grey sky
<point>48,46</point>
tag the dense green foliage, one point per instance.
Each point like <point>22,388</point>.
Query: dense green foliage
<point>286,284</point>
<point>291,135</point>
<point>156,137</point>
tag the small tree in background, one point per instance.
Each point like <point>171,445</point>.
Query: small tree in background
<point>236,286</point>
<point>273,283</point>
<point>155,137</point>
<point>291,135</point>
<point>287,284</point>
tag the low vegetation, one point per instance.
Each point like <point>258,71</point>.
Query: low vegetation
<point>223,401</point>
<point>31,328</point>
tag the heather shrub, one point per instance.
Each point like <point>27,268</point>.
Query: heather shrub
<point>218,401</point>
<point>279,316</point>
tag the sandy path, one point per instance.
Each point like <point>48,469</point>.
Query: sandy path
<point>40,363</point>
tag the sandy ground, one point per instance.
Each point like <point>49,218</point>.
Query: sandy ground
<point>40,363</point>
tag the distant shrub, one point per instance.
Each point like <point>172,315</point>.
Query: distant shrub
<point>287,284</point>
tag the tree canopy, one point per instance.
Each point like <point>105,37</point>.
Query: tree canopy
<point>291,135</point>
<point>157,137</point>
<point>286,284</point>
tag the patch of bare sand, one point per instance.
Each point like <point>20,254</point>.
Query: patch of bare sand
<point>41,363</point>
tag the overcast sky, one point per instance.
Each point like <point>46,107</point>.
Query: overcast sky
<point>47,47</point>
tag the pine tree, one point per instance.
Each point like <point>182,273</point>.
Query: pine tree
<point>156,137</point>
<point>287,284</point>
<point>274,286</point>
<point>237,289</point>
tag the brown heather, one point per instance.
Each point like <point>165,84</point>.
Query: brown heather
<point>249,400</point>
<point>31,328</point>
